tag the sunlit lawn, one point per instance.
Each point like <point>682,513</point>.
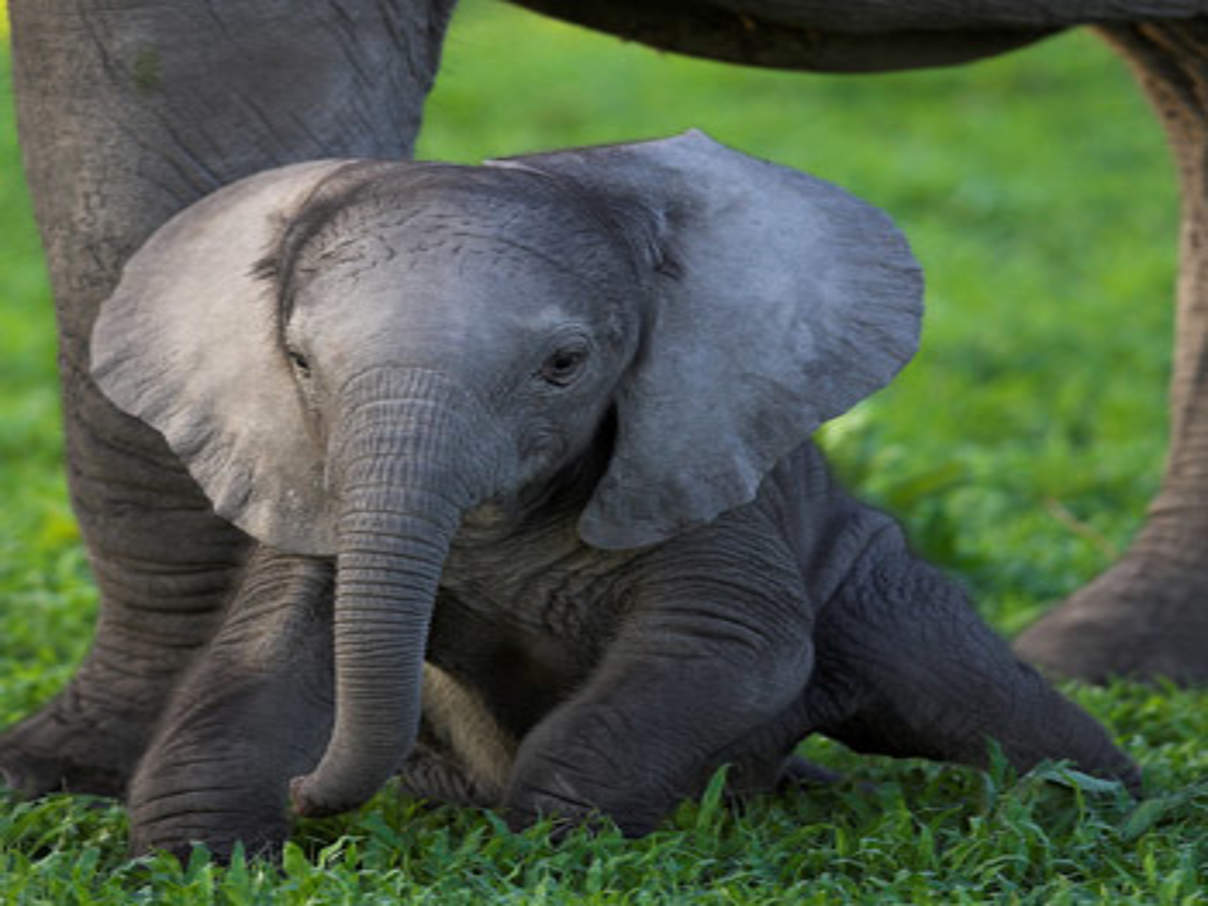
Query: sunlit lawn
<point>1020,448</point>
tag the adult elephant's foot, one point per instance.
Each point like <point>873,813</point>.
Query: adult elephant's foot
<point>1145,618</point>
<point>1148,615</point>
<point>65,748</point>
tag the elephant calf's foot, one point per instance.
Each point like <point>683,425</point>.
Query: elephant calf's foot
<point>556,797</point>
<point>1146,617</point>
<point>553,798</point>
<point>175,822</point>
<point>59,749</point>
<point>798,773</point>
<point>438,776</point>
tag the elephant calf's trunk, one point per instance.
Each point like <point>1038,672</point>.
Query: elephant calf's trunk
<point>409,473</point>
<point>383,606</point>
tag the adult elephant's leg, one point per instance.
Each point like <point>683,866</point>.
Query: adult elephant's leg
<point>129,111</point>
<point>255,710</point>
<point>1148,615</point>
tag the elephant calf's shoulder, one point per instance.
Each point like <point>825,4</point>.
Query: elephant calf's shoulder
<point>828,530</point>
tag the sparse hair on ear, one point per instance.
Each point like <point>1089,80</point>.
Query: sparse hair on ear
<point>332,196</point>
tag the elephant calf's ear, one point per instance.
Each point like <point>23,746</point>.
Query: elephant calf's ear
<point>188,342</point>
<point>780,301</point>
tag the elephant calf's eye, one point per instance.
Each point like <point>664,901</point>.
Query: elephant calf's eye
<point>299,362</point>
<point>564,365</point>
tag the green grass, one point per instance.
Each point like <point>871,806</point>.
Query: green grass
<point>1019,448</point>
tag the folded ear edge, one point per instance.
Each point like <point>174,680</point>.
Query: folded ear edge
<point>837,287</point>
<point>188,343</point>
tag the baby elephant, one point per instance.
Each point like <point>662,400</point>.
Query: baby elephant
<point>546,423</point>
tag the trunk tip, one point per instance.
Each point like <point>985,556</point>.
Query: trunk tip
<point>304,803</point>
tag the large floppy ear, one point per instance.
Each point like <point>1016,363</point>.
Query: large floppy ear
<point>188,343</point>
<point>779,301</point>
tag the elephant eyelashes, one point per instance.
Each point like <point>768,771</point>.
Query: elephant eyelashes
<point>563,366</point>
<point>299,361</point>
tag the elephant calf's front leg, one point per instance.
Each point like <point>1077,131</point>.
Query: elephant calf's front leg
<point>255,711</point>
<point>694,680</point>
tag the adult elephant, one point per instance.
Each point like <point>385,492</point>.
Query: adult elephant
<point>129,111</point>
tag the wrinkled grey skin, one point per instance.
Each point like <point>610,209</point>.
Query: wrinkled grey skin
<point>129,111</point>
<point>1145,616</point>
<point>552,416</point>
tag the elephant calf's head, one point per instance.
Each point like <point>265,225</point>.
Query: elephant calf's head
<point>348,355</point>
